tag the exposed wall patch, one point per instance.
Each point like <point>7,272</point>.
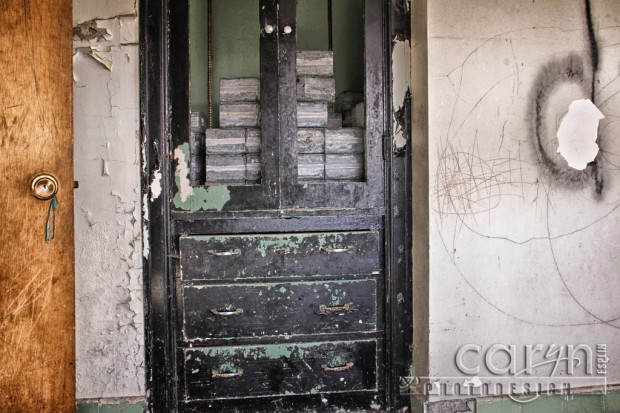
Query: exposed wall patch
<point>570,70</point>
<point>195,198</point>
<point>401,92</point>
<point>90,31</point>
<point>577,134</point>
<point>182,173</point>
<point>146,246</point>
<point>155,187</point>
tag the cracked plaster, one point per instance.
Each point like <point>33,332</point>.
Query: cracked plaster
<point>109,296</point>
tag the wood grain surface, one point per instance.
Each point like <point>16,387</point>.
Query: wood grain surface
<point>36,279</point>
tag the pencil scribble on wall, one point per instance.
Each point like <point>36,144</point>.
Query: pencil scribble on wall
<point>501,191</point>
<point>467,184</point>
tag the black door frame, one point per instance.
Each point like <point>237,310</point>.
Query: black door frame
<point>156,95</point>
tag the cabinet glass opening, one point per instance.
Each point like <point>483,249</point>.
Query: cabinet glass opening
<point>225,141</point>
<point>330,90</point>
<point>224,91</point>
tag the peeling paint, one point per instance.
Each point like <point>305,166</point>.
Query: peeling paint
<point>281,245</point>
<point>302,358</point>
<point>145,228</point>
<point>84,10</point>
<point>104,169</point>
<point>401,84</point>
<point>155,186</point>
<point>104,58</point>
<point>195,198</point>
<point>181,155</point>
<point>90,31</point>
<point>108,217</point>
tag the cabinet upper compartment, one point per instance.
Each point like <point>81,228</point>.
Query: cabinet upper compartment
<point>277,104</point>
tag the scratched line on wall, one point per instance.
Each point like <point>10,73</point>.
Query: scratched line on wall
<point>498,156</point>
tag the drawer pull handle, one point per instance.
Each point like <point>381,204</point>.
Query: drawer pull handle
<point>236,251</point>
<point>219,375</point>
<point>346,367</point>
<point>216,312</point>
<point>345,307</point>
<point>336,250</point>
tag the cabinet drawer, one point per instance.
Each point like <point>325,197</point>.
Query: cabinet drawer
<point>257,310</point>
<point>225,257</point>
<point>279,369</point>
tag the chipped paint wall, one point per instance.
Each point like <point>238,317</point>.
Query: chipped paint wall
<point>519,254</point>
<point>523,248</point>
<point>109,304</point>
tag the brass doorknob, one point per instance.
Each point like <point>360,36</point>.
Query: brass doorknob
<point>44,186</point>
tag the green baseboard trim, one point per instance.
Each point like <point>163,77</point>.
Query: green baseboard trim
<point>586,402</point>
<point>417,405</point>
<point>577,403</point>
<point>112,406</point>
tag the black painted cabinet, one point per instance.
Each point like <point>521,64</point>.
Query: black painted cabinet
<point>274,257</point>
<point>290,104</point>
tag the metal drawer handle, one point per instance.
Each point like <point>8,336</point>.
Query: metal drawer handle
<point>346,367</point>
<point>336,250</point>
<point>218,375</point>
<point>238,311</point>
<point>345,307</point>
<point>236,251</point>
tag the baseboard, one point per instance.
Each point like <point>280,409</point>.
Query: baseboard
<point>127,405</point>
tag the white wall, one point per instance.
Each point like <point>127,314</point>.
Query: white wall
<point>519,255</point>
<point>516,256</point>
<point>109,304</point>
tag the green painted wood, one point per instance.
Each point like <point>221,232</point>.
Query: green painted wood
<point>121,407</point>
<point>578,403</point>
<point>498,406</point>
<point>87,408</point>
<point>588,403</point>
<point>612,402</point>
<point>275,309</point>
<point>240,257</point>
<point>280,369</point>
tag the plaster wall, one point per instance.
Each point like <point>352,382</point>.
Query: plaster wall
<point>109,299</point>
<point>523,249</point>
<point>518,254</point>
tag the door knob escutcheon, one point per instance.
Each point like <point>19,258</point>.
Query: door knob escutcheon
<point>44,186</point>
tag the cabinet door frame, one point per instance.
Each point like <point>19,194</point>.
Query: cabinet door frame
<point>279,187</point>
<point>369,192</point>
<point>218,197</point>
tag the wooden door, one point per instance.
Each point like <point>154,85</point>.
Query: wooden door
<point>36,278</point>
